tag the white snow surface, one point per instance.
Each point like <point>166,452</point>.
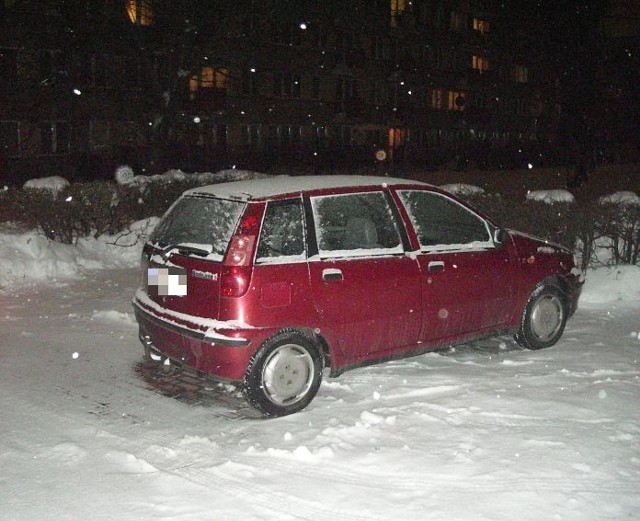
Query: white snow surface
<point>276,185</point>
<point>482,431</point>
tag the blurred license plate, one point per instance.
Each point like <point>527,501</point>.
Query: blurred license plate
<point>169,281</point>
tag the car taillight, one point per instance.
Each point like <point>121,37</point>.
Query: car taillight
<point>235,280</point>
<point>240,250</point>
<point>236,269</point>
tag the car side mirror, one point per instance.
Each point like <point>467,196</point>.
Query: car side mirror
<point>500,236</point>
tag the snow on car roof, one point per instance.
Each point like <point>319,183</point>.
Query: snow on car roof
<point>280,185</point>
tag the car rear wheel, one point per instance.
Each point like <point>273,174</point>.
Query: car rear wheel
<point>543,319</point>
<point>284,375</point>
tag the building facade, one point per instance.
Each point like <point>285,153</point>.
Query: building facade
<point>314,84</point>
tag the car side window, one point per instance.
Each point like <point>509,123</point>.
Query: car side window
<point>441,222</point>
<point>349,223</point>
<point>282,232</point>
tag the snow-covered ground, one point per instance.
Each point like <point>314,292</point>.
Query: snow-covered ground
<point>485,431</point>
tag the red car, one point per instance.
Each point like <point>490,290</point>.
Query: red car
<point>266,282</point>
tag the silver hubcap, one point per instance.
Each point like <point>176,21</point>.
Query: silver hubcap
<point>546,318</point>
<point>287,375</point>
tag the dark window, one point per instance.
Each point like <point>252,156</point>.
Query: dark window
<point>100,70</point>
<point>8,64</point>
<point>54,138</point>
<point>346,89</point>
<point>315,87</point>
<point>9,142</point>
<point>286,85</point>
<point>250,82</point>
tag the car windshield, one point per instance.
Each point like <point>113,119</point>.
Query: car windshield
<point>202,222</point>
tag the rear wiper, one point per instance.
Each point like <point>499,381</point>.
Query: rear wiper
<point>184,249</point>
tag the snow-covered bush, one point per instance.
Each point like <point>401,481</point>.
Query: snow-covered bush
<point>601,231</point>
<point>620,225</point>
<point>66,212</point>
<point>605,231</point>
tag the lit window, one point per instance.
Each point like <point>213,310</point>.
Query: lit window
<point>397,8</point>
<point>482,26</point>
<point>140,12</point>
<point>480,63</point>
<point>396,137</point>
<point>208,78</point>
<point>521,74</point>
<point>456,100</point>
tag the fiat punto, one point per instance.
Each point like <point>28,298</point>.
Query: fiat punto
<point>265,283</point>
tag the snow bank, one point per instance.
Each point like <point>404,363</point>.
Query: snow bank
<point>551,196</point>
<point>610,285</point>
<point>29,257</point>
<point>626,198</point>
<point>53,184</point>
<point>462,189</point>
<point>230,174</point>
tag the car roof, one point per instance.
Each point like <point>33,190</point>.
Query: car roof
<point>265,188</point>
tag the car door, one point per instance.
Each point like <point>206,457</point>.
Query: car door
<point>365,287</point>
<point>467,279</point>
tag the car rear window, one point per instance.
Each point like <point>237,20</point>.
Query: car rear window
<point>199,221</point>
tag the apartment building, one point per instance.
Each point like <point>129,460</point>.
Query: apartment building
<point>310,84</point>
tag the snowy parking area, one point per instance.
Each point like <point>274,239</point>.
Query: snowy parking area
<point>480,431</point>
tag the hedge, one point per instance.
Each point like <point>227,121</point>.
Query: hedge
<point>599,232</point>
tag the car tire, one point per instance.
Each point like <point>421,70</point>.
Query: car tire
<point>283,375</point>
<point>543,319</point>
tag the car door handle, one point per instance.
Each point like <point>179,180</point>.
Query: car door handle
<point>332,275</point>
<point>435,266</point>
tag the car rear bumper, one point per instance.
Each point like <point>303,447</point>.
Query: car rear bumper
<point>221,349</point>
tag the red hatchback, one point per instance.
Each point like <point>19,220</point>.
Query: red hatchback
<point>265,283</point>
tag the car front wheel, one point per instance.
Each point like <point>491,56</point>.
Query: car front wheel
<point>284,375</point>
<point>543,319</point>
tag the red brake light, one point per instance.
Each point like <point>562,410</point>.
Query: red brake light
<point>235,280</point>
<point>236,269</point>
